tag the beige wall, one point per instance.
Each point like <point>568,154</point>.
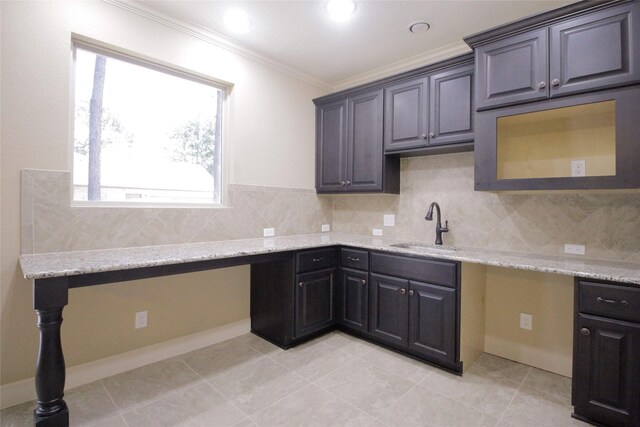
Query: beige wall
<point>549,299</point>
<point>271,143</point>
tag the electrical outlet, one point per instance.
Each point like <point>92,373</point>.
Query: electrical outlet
<point>377,232</point>
<point>326,227</point>
<point>269,232</point>
<point>578,168</point>
<point>574,249</point>
<point>141,319</point>
<point>389,220</point>
<point>526,321</point>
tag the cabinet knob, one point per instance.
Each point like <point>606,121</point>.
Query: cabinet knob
<point>585,331</point>
<point>432,135</point>
<point>348,182</point>
<point>542,85</point>
<point>403,291</point>
<point>343,183</point>
<point>301,284</point>
<point>364,282</point>
<point>423,136</point>
<point>555,82</point>
<point>411,293</point>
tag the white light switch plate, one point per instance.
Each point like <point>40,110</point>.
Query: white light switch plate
<point>141,319</point>
<point>526,321</point>
<point>578,168</point>
<point>377,232</point>
<point>389,220</point>
<point>326,227</point>
<point>269,232</point>
<point>574,249</point>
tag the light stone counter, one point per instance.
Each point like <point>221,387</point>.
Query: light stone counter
<point>41,266</point>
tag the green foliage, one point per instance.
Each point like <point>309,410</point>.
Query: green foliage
<point>113,132</point>
<point>197,141</point>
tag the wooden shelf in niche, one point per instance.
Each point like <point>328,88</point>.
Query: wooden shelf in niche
<point>543,144</point>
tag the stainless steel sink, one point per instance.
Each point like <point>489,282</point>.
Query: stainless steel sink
<point>425,247</point>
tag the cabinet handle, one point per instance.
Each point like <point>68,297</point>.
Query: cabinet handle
<point>542,85</point>
<point>411,293</point>
<point>423,136</point>
<point>585,331</point>
<point>343,183</point>
<point>403,291</point>
<point>432,135</point>
<point>611,301</point>
<point>364,282</point>
<point>353,259</point>
<point>318,259</point>
<point>301,284</point>
<point>555,82</point>
<point>348,182</point>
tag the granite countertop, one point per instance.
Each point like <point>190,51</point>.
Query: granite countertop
<point>41,266</point>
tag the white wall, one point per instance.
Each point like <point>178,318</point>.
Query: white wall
<point>271,142</point>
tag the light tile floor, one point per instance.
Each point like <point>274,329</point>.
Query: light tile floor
<point>335,380</point>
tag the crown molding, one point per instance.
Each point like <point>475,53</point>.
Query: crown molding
<point>430,57</point>
<point>212,37</point>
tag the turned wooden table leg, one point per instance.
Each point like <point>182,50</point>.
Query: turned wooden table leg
<point>50,297</point>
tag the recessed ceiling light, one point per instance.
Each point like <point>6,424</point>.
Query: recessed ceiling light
<point>419,27</point>
<point>341,10</point>
<point>237,20</point>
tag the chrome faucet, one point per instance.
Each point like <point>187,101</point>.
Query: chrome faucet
<point>439,228</point>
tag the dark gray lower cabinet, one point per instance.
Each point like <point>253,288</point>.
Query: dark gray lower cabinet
<point>417,317</point>
<point>606,354</point>
<point>314,301</point>
<point>432,320</point>
<point>389,310</point>
<point>353,299</point>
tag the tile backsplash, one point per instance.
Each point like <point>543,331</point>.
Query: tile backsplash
<point>50,225</point>
<point>608,223</point>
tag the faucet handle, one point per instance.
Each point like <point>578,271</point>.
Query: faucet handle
<point>445,228</point>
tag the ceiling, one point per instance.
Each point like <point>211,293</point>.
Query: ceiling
<point>301,35</point>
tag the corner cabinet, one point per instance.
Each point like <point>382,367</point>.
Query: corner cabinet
<point>431,113</point>
<point>349,153</point>
<point>606,355</point>
<point>597,50</point>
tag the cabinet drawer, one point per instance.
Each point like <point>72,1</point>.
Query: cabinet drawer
<point>615,301</point>
<point>316,259</point>
<point>354,258</point>
<point>423,270</point>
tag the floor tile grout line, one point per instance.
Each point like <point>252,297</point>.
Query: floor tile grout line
<point>112,401</point>
<point>396,402</point>
<point>159,398</point>
<point>513,398</point>
<point>279,400</point>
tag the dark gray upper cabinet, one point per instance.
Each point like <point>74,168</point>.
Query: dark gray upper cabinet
<point>364,142</point>
<point>349,150</point>
<point>406,115</point>
<point>595,51</point>
<point>331,152</point>
<point>451,101</point>
<point>579,48</point>
<point>512,70</point>
<point>431,113</point>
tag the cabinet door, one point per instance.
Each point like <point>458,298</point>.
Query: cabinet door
<point>364,142</point>
<point>353,299</point>
<point>607,371</point>
<point>512,70</point>
<point>389,309</point>
<point>432,321</point>
<point>451,106</point>
<point>406,115</point>
<point>331,153</point>
<point>314,301</point>
<point>597,50</point>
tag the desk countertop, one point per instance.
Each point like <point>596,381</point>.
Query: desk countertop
<point>47,265</point>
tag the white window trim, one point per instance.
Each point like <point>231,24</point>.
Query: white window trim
<point>95,46</point>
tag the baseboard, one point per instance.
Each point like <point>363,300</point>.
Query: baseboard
<point>25,390</point>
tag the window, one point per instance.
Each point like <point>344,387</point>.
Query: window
<point>144,133</point>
